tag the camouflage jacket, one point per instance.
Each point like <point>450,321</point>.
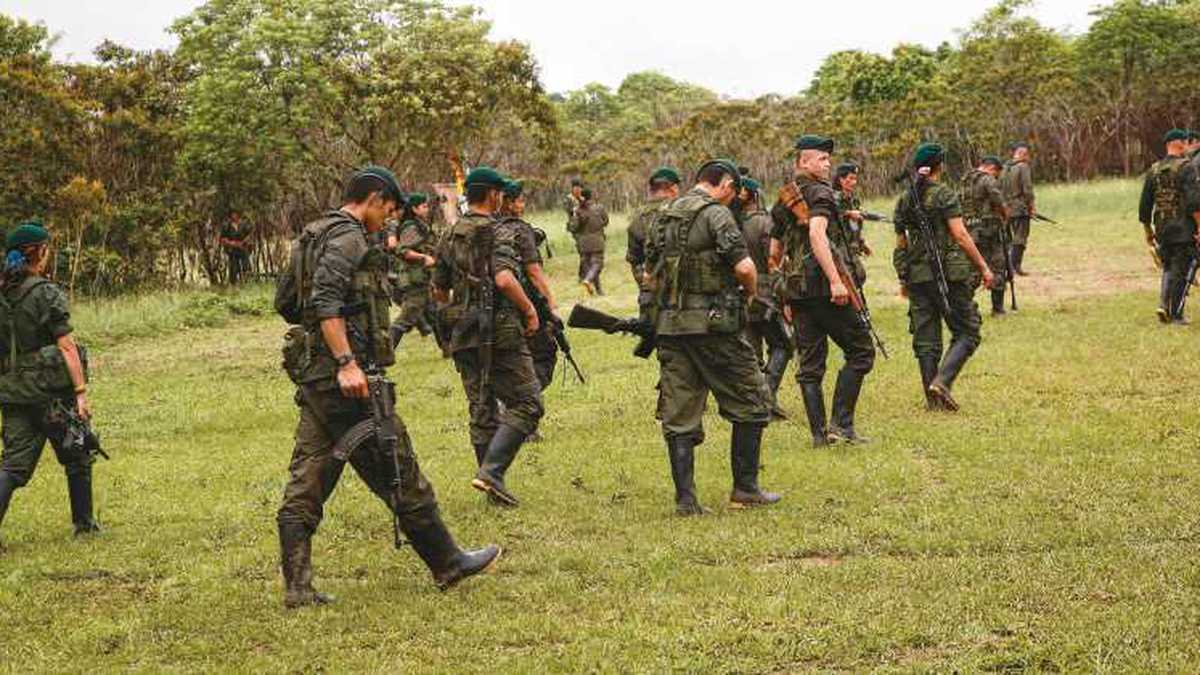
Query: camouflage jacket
<point>982,201</point>
<point>639,227</point>
<point>588,225</point>
<point>1017,184</point>
<point>940,205</point>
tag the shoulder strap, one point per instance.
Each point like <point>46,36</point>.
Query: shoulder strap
<point>27,286</point>
<point>315,237</point>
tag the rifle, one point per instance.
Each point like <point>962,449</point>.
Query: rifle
<point>875,217</point>
<point>1193,267</point>
<point>1006,243</point>
<point>553,324</point>
<point>587,318</point>
<point>774,315</point>
<point>487,309</point>
<point>927,237</point>
<point>79,439</point>
<point>1044,219</point>
<point>541,239</point>
<point>858,301</point>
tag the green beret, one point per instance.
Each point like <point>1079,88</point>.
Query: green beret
<point>814,142</point>
<point>417,199</point>
<point>485,175</point>
<point>1193,135</point>
<point>1017,145</point>
<point>751,184</point>
<point>26,234</point>
<point>513,189</point>
<point>666,174</point>
<point>389,180</point>
<point>726,165</point>
<point>927,154</point>
<point>846,169</point>
<point>1175,135</point>
<point>576,182</point>
<point>586,193</point>
<point>993,160</point>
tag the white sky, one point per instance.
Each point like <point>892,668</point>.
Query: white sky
<point>762,48</point>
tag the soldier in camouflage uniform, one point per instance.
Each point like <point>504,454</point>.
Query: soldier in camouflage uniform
<point>942,211</point>
<point>1016,181</point>
<point>413,242</point>
<point>35,329</point>
<point>1169,225</point>
<point>807,247</point>
<point>481,254</point>
<point>342,304</point>
<point>986,217</point>
<point>587,226</point>
<point>235,239</point>
<point>845,184</point>
<point>702,281</point>
<point>542,346</point>
<point>664,186</point>
<point>765,325</point>
<point>573,198</point>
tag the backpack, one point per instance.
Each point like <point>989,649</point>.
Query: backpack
<point>1165,175</point>
<point>8,315</point>
<point>293,288</point>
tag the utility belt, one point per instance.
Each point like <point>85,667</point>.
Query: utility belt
<point>703,314</point>
<point>38,377</point>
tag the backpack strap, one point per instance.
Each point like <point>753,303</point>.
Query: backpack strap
<point>27,286</point>
<point>314,238</point>
<point>685,257</point>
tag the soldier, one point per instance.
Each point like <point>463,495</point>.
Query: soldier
<point>542,346</point>
<point>808,245</point>
<point>939,208</point>
<point>845,184</point>
<point>343,309</point>
<point>664,186</point>
<point>1193,143</point>
<point>1017,183</point>
<point>38,321</point>
<point>235,240</point>
<point>572,200</point>
<point>413,242</point>
<point>986,217</point>
<point>480,260</point>
<point>765,324</point>
<point>1168,225</point>
<point>701,271</point>
<point>587,226</point>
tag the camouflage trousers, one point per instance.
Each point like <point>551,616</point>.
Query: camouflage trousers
<point>544,351</point>
<point>416,310</point>
<point>926,315</point>
<point>514,383</point>
<point>590,267</point>
<point>26,432</point>
<point>325,416</point>
<point>690,366</point>
<point>987,238</point>
<point>773,349</point>
<point>1020,230</point>
<point>1176,259</point>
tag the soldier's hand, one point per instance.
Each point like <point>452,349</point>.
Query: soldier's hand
<point>81,406</point>
<point>855,215</point>
<point>903,291</point>
<point>430,261</point>
<point>989,279</point>
<point>866,250</point>
<point>531,323</point>
<point>788,314</point>
<point>839,294</point>
<point>352,381</point>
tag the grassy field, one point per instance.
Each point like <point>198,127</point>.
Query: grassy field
<point>1052,525</point>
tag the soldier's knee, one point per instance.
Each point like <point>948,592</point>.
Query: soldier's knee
<point>862,361</point>
<point>20,475</point>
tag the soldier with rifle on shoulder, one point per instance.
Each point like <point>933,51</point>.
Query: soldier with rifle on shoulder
<point>934,257</point>
<point>986,216</point>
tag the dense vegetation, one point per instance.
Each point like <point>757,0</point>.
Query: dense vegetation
<point>264,107</point>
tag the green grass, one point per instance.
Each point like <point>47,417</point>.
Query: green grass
<point>1049,526</point>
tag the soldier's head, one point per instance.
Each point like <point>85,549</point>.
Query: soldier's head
<point>749,195</point>
<point>585,195</point>
<point>514,198</point>
<point>577,187</point>
<point>664,183</point>
<point>812,156</point>
<point>1020,151</point>
<point>1176,141</point>
<point>417,206</point>
<point>720,179</point>
<point>991,164</point>
<point>845,177</point>
<point>25,250</point>
<point>928,158</point>
<point>235,217</point>
<point>485,190</point>
<point>372,196</point>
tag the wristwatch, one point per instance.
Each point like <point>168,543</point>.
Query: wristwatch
<point>344,360</point>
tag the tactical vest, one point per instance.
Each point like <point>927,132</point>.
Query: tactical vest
<point>971,208</point>
<point>10,351</point>
<point>1167,196</point>
<point>802,274</point>
<point>695,291</point>
<point>413,235</point>
<point>31,376</point>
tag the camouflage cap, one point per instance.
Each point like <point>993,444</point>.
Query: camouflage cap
<point>513,189</point>
<point>487,176</point>
<point>665,174</point>
<point>814,142</point>
<point>1175,135</point>
<point>389,180</point>
<point>25,234</point>
<point>928,154</point>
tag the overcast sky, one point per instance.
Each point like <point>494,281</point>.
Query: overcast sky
<point>763,48</point>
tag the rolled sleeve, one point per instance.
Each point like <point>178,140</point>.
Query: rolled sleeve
<point>341,257</point>
<point>57,312</point>
<point>727,236</point>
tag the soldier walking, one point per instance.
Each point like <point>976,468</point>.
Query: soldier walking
<point>1017,183</point>
<point>588,226</point>
<point>1169,226</point>
<point>542,345</point>
<point>413,243</point>
<point>766,325</point>
<point>664,186</point>
<point>986,217</point>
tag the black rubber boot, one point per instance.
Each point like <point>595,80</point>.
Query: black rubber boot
<point>501,452</point>
<point>295,544</point>
<point>8,485</point>
<point>681,451</point>
<point>777,363</point>
<point>814,408</point>
<point>79,490</point>
<point>845,400</point>
<point>998,302</point>
<point>397,334</point>
<point>448,563</point>
<point>1018,260</point>
<point>952,365</point>
<point>929,369</point>
<point>745,451</point>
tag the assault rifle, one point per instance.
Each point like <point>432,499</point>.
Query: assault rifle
<point>487,309</point>
<point>1010,272</point>
<point>587,318</point>
<point>927,238</point>
<point>1193,267</point>
<point>875,217</point>
<point>555,325</point>
<point>1044,219</point>
<point>79,439</point>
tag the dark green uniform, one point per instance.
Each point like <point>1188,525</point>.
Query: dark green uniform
<point>587,226</point>
<point>349,280</point>
<point>411,286</point>
<point>853,229</point>
<point>1016,182</point>
<point>40,317</point>
<point>542,346</point>
<point>1163,207</point>
<point>699,313</point>
<point>635,251</point>
<point>462,262</point>
<point>916,274</point>
<point>766,326</point>
<point>983,212</point>
<point>817,319</point>
<point>237,257</point>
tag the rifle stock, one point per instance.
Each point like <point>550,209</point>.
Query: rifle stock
<point>587,318</point>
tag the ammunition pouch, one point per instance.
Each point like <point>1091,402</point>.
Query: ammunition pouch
<point>38,377</point>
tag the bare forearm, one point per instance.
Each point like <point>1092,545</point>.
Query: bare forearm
<point>538,276</point>
<point>70,352</point>
<point>775,255</point>
<point>819,238</point>
<point>508,285</point>
<point>746,273</point>
<point>334,332</point>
